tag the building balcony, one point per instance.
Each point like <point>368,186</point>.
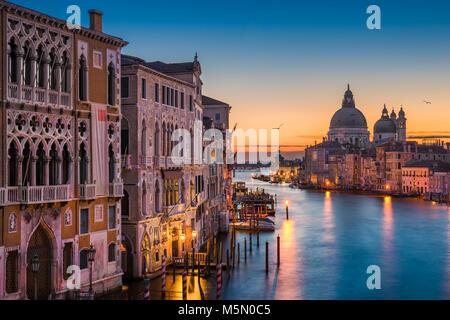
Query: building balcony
<point>146,162</point>
<point>159,162</point>
<point>87,192</point>
<point>174,210</point>
<point>39,96</point>
<point>116,189</point>
<point>41,194</point>
<point>174,162</point>
<point>34,194</point>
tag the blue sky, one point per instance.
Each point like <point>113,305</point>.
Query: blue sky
<point>294,57</point>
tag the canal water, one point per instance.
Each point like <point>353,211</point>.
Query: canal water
<point>327,245</point>
<point>332,238</point>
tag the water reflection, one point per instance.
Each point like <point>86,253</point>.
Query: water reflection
<point>328,219</point>
<point>388,221</point>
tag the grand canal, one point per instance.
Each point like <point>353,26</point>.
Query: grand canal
<point>329,242</point>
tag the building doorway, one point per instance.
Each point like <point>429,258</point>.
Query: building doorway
<point>40,244</point>
<point>175,253</point>
<point>127,259</point>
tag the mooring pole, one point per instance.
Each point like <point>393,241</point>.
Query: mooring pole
<point>245,249</point>
<point>278,251</point>
<point>267,256</point>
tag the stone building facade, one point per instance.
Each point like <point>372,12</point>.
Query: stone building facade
<point>54,201</point>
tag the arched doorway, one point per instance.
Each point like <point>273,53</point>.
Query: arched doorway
<point>41,245</point>
<point>127,259</point>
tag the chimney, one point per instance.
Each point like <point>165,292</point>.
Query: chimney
<point>95,20</point>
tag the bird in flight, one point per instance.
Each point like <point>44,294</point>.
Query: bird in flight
<point>427,102</point>
<point>279,127</point>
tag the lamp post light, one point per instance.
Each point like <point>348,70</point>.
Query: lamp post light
<point>91,258</point>
<point>35,265</point>
<point>287,210</point>
<point>194,236</point>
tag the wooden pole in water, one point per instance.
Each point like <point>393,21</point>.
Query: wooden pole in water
<point>239,254</point>
<point>245,249</point>
<point>250,242</point>
<point>267,256</point>
<point>278,251</point>
<point>221,253</point>
<point>228,260</point>
<point>234,255</point>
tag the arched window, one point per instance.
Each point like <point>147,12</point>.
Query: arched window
<point>65,73</point>
<point>183,192</point>
<point>26,165</point>
<point>83,165</point>
<point>157,140</point>
<point>125,149</point>
<point>40,68</point>
<point>52,71</point>
<point>112,252</point>
<point>164,139</point>
<point>111,85</point>
<point>125,203</point>
<point>144,139</point>
<point>40,174</point>
<point>111,164</point>
<point>176,192</point>
<point>13,165</point>
<point>157,198</point>
<point>144,199</point>
<point>67,259</point>
<point>26,69</point>
<point>65,165</point>
<point>12,61</point>
<point>82,79</point>
<point>145,250</point>
<point>12,262</point>
<point>83,259</point>
<point>54,162</point>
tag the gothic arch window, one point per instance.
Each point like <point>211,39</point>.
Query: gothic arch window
<point>52,70</point>
<point>40,168</point>
<point>26,165</point>
<point>82,79</point>
<point>111,164</point>
<point>65,165</point>
<point>53,167</point>
<point>13,157</point>
<point>12,61</point>
<point>40,69</point>
<point>26,69</point>
<point>65,73</point>
<point>111,85</point>
<point>84,165</point>
<point>125,138</point>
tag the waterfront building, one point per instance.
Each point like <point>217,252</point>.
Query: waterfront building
<point>440,185</point>
<point>60,178</point>
<point>416,175</point>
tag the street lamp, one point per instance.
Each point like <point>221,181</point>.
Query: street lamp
<point>35,264</point>
<point>91,258</point>
<point>194,235</point>
<point>287,210</point>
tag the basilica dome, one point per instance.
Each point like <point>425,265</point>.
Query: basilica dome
<point>348,116</point>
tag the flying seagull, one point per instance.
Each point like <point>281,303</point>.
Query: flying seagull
<point>279,127</point>
<point>427,102</point>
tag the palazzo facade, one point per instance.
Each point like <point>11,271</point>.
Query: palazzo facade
<point>60,153</point>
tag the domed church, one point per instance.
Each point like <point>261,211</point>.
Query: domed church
<point>348,124</point>
<point>390,127</point>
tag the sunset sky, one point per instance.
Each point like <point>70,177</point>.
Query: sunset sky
<point>290,61</point>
